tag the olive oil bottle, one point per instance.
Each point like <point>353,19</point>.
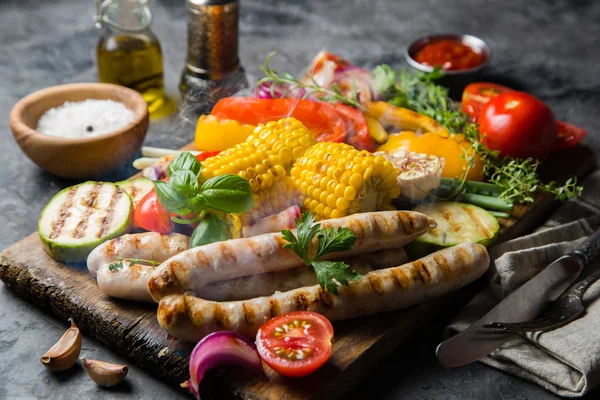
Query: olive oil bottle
<point>129,54</point>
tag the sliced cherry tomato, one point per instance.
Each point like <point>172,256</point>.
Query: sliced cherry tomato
<point>357,129</point>
<point>568,136</point>
<point>477,94</point>
<point>320,118</point>
<point>518,125</point>
<point>151,216</point>
<point>295,344</point>
<point>206,154</point>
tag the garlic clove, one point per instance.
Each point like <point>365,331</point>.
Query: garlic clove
<point>103,373</point>
<point>64,354</point>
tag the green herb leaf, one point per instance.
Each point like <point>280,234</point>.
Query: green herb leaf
<point>184,182</point>
<point>211,229</point>
<point>185,161</point>
<point>115,266</point>
<point>168,197</point>
<point>330,273</point>
<point>330,241</point>
<point>384,78</point>
<point>229,193</point>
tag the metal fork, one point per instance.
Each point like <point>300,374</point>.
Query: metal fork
<point>560,312</point>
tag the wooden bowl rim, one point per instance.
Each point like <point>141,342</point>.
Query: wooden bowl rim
<point>20,128</point>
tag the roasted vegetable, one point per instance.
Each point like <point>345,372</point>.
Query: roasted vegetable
<point>336,180</point>
<point>419,173</point>
<point>265,159</point>
<point>81,217</point>
<point>136,188</point>
<point>214,134</point>
<point>456,223</point>
<point>403,119</point>
<point>455,150</point>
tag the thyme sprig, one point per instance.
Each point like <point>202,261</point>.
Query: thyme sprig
<point>290,84</point>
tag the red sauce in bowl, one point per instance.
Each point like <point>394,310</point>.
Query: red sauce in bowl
<point>450,55</point>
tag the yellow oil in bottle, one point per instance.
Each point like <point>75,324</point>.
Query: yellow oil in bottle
<point>129,54</point>
<point>135,61</point>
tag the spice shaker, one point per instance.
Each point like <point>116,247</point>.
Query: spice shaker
<point>212,70</point>
<point>129,54</point>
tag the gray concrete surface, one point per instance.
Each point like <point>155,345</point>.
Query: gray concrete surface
<point>550,48</point>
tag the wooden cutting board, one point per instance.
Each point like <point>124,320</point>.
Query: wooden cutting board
<point>131,329</point>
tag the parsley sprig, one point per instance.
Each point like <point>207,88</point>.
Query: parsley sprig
<point>287,83</point>
<point>517,178</point>
<point>118,263</point>
<point>330,274</point>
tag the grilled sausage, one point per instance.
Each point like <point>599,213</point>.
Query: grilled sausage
<point>194,268</point>
<point>131,282</point>
<point>190,318</point>
<point>248,287</point>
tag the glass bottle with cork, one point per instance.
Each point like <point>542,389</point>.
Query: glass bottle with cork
<point>212,70</point>
<point>129,54</point>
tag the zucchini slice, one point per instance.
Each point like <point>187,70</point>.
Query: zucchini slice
<point>136,188</point>
<point>81,217</point>
<point>456,223</point>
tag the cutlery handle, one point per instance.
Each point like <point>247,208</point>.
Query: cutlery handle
<point>589,249</point>
<point>585,284</point>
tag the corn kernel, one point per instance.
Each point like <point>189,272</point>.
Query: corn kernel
<point>355,180</point>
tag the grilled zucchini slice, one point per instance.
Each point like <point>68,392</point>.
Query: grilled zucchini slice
<point>456,223</point>
<point>136,188</point>
<point>81,217</point>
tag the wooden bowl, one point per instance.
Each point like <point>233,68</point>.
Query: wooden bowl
<point>79,158</point>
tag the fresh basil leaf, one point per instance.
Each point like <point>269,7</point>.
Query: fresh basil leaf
<point>229,193</point>
<point>211,229</point>
<point>168,197</point>
<point>184,182</point>
<point>197,204</point>
<point>185,161</point>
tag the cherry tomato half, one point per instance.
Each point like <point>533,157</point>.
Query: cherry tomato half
<point>357,129</point>
<point>320,118</point>
<point>518,125</point>
<point>151,216</point>
<point>295,344</point>
<point>476,95</point>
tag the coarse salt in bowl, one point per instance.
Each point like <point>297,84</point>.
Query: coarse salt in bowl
<point>64,150</point>
<point>86,118</point>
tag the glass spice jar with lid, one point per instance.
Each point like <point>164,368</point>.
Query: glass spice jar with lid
<point>129,54</point>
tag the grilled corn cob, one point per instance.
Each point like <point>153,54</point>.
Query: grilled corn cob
<point>336,180</point>
<point>265,160</point>
<point>281,195</point>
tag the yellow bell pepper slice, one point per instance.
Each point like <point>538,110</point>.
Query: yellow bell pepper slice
<point>376,130</point>
<point>455,150</point>
<point>213,134</point>
<point>403,119</point>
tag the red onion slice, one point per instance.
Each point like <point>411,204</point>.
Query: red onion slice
<point>221,349</point>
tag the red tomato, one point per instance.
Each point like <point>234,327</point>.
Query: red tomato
<point>477,94</point>
<point>518,125</point>
<point>295,344</point>
<point>568,136</point>
<point>357,130</point>
<point>203,155</point>
<point>151,216</point>
<point>321,119</point>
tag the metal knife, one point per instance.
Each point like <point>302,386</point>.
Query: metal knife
<point>525,303</point>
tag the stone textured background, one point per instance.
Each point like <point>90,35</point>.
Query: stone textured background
<point>550,48</point>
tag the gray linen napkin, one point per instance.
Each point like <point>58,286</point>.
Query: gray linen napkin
<point>565,361</point>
